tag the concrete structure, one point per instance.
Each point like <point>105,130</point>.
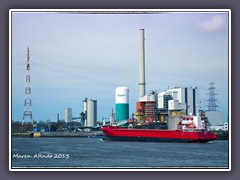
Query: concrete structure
<point>184,98</point>
<point>215,118</point>
<point>68,115</point>
<point>142,83</point>
<point>91,113</point>
<point>122,103</point>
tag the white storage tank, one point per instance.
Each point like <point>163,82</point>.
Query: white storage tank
<point>122,103</point>
<point>68,115</point>
<point>91,112</point>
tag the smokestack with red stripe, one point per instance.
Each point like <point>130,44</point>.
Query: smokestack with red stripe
<point>142,83</point>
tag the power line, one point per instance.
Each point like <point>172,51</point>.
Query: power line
<point>87,73</point>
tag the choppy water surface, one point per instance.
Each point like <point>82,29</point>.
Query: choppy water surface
<point>95,153</point>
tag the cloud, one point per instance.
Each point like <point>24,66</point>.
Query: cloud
<point>215,24</point>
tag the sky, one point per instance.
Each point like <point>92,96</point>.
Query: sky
<point>78,55</point>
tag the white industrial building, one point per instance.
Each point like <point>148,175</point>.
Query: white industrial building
<point>180,98</point>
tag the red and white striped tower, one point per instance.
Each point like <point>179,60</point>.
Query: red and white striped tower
<point>27,113</point>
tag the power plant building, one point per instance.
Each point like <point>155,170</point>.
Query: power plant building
<point>180,98</point>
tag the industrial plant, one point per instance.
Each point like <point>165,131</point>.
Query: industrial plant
<point>161,108</point>
<point>88,115</point>
<point>173,109</point>
<point>169,116</point>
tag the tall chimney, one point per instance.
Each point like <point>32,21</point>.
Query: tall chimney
<point>142,65</point>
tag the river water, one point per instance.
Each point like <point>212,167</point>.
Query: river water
<point>96,153</point>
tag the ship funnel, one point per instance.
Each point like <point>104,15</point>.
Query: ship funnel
<point>142,83</point>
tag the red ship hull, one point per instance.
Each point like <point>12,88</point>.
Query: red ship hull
<point>115,133</point>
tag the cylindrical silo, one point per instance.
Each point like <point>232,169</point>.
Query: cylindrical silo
<point>68,115</point>
<point>91,112</point>
<point>122,103</point>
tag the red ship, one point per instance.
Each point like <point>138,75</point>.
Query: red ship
<point>117,133</point>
